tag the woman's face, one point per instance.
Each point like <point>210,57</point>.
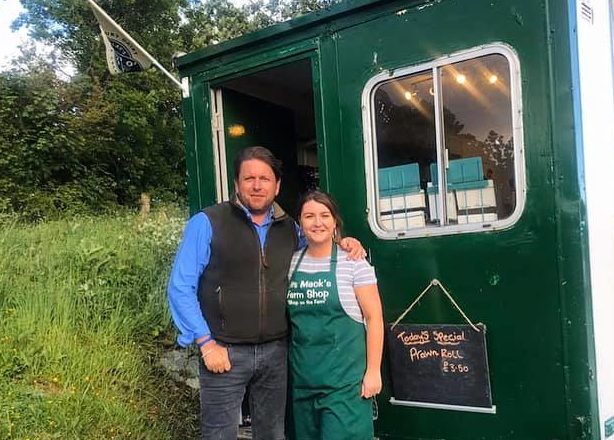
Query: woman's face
<point>317,222</point>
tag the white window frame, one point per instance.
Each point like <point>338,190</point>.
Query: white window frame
<point>370,142</point>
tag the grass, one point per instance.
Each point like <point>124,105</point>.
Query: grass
<point>83,316</point>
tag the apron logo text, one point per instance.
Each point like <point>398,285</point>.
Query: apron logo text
<point>314,292</point>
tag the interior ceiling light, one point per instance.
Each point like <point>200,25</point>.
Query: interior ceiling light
<point>236,130</point>
<point>492,79</point>
<point>461,79</point>
<point>408,96</point>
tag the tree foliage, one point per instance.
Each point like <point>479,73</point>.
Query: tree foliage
<point>96,140</point>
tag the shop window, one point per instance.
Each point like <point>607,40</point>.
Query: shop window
<point>449,124</point>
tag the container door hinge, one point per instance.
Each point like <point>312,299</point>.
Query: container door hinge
<point>217,122</point>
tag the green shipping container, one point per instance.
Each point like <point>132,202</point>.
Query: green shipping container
<point>509,105</point>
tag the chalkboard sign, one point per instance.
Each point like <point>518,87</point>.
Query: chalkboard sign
<point>439,364</point>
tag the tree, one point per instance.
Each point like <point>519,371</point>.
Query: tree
<point>128,127</point>
<point>99,139</point>
<point>46,163</point>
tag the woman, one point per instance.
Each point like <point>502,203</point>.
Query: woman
<point>337,331</point>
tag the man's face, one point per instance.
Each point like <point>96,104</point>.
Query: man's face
<point>256,186</point>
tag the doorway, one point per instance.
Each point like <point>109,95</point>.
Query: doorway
<point>273,108</point>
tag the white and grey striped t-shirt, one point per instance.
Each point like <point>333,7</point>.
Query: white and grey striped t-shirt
<point>350,274</point>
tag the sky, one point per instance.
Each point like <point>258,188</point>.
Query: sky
<point>9,49</point>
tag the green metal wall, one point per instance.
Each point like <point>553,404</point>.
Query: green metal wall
<point>528,284</point>
<point>509,280</point>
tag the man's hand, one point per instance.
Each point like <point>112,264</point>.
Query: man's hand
<point>215,357</point>
<point>353,248</point>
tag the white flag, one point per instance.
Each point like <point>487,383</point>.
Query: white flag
<point>123,55</point>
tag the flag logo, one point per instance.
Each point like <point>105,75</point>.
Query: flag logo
<point>122,56</point>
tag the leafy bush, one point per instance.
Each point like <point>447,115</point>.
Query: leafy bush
<point>71,147</point>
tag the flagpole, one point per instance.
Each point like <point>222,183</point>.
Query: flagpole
<point>127,36</point>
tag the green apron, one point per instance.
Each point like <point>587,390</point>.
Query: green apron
<point>327,360</point>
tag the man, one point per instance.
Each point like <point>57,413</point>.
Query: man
<point>227,293</point>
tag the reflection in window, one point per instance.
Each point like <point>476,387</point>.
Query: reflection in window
<point>476,146</point>
<point>405,106</point>
<point>478,137</point>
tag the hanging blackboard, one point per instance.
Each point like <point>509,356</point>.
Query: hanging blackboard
<point>439,364</point>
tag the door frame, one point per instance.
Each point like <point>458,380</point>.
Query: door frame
<point>308,51</point>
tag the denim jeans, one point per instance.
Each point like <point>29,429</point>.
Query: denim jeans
<point>262,367</point>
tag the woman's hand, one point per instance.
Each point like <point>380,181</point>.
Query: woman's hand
<point>353,247</point>
<point>371,384</point>
<point>215,357</point>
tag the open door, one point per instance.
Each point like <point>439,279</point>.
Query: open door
<point>273,108</point>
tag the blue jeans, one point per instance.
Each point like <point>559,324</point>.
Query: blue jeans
<point>264,367</point>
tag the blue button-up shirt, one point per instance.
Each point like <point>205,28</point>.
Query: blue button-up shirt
<point>190,262</point>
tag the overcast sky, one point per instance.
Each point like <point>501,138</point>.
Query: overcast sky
<point>10,40</point>
<point>9,49</point>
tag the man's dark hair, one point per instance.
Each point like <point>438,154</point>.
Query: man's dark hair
<point>258,153</point>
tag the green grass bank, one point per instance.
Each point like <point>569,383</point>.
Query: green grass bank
<point>83,316</point>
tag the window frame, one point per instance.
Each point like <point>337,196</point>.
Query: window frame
<point>370,142</point>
